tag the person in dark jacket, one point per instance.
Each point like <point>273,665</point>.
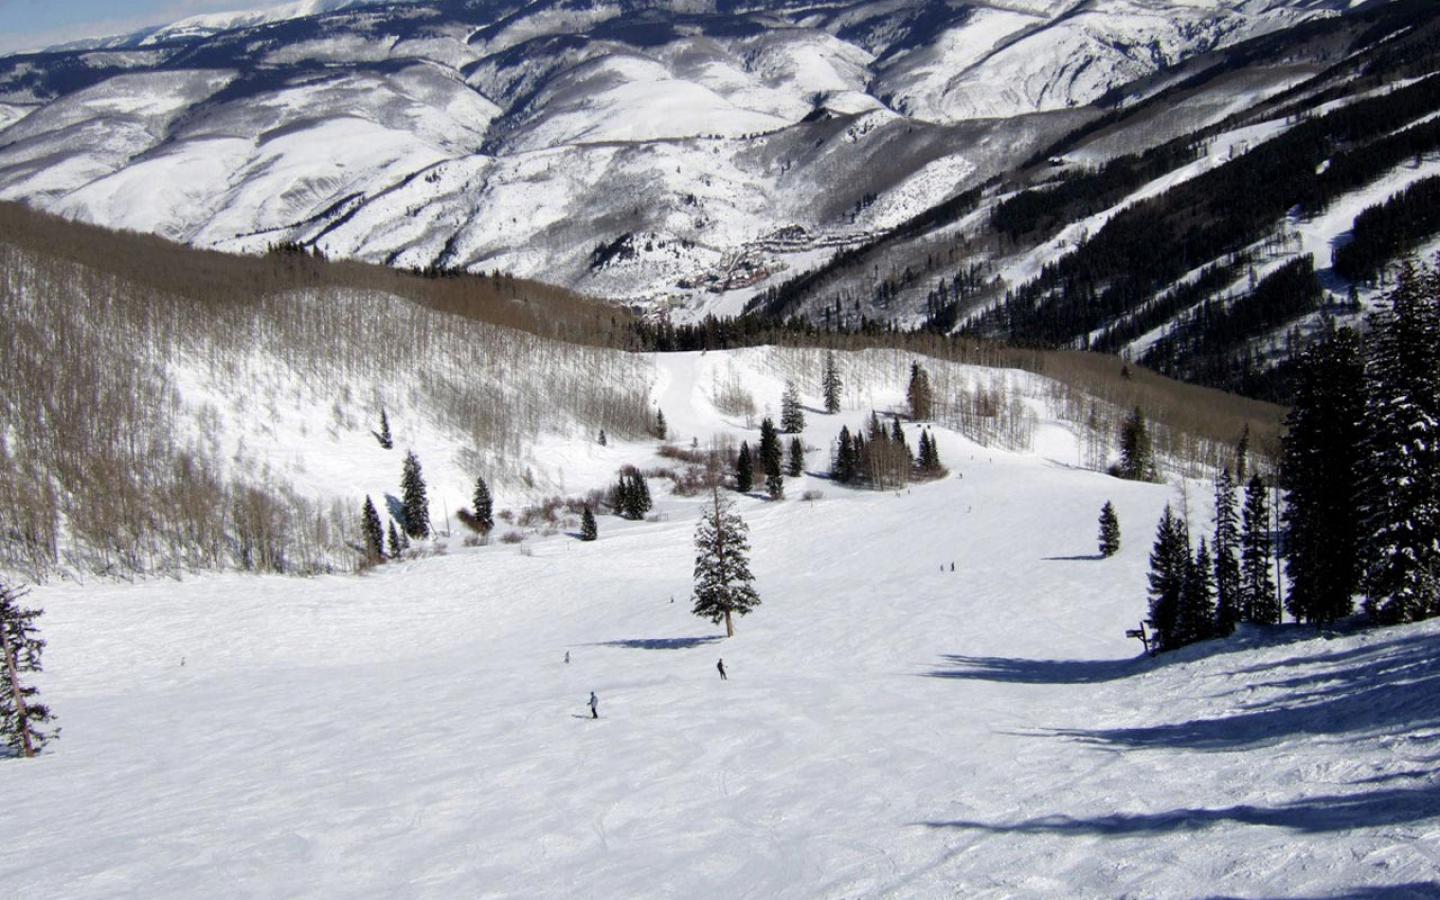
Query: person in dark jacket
<point>721,666</point>
<point>593,704</point>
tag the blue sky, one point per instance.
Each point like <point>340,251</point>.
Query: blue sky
<point>32,23</point>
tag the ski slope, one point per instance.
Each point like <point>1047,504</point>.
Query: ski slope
<point>890,728</point>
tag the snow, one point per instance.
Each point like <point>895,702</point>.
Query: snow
<point>890,728</point>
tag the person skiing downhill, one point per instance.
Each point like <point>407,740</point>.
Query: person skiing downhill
<point>593,704</point>
<point>721,666</point>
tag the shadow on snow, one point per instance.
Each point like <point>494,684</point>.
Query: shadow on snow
<point>679,643</point>
<point>1311,815</point>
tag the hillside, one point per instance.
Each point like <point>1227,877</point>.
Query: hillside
<point>889,727</point>
<point>678,154</point>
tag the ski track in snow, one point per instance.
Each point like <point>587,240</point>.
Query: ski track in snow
<point>889,729</point>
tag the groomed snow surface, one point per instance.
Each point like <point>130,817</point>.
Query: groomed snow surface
<point>889,727</point>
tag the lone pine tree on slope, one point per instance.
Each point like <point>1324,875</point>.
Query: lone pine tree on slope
<point>792,415</point>
<point>722,567</point>
<point>374,535</point>
<point>412,493</point>
<point>831,385</point>
<point>1109,530</point>
<point>22,717</point>
<point>484,507</point>
<point>588,530</point>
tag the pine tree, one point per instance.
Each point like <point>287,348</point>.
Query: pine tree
<point>601,439</point>
<point>771,459</point>
<point>830,384</point>
<point>897,434</point>
<point>1242,453</point>
<point>1320,472</point>
<point>412,494</point>
<point>792,414</point>
<point>1109,530</point>
<point>1229,598</point>
<point>1137,459</point>
<point>640,494</point>
<point>588,529</point>
<point>1195,620</point>
<point>744,470</point>
<point>843,467</point>
<point>1401,484</point>
<point>23,718</point>
<point>374,535</point>
<point>383,435</point>
<point>795,463</point>
<point>484,507</point>
<point>1257,588</point>
<point>396,542</point>
<point>662,430</point>
<point>918,393</point>
<point>1169,562</point>
<point>875,431</point>
<point>723,583</point>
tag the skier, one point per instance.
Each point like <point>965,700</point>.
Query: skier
<point>721,666</point>
<point>593,704</point>
<point>567,657</point>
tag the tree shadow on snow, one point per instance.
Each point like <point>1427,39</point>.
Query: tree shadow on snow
<point>680,643</point>
<point>1397,691</point>
<point>1311,815</point>
<point>1036,671</point>
<point>1415,890</point>
<point>1090,557</point>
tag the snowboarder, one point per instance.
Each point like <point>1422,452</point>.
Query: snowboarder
<point>567,657</point>
<point>593,704</point>
<point>721,666</point>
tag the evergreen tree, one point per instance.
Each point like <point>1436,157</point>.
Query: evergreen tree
<point>1257,588</point>
<point>1137,459</point>
<point>830,384</point>
<point>1195,620</point>
<point>1109,531</point>
<point>484,507</point>
<point>792,414</point>
<point>1320,472</point>
<point>795,463</point>
<point>588,529</point>
<point>1229,598</point>
<point>374,535</point>
<point>875,431</point>
<point>412,495</point>
<point>744,470</point>
<point>640,494</point>
<point>1169,563</point>
<point>630,497</point>
<point>396,542</point>
<point>897,434</point>
<point>23,718</point>
<point>1401,492</point>
<point>1242,453</point>
<point>843,468</point>
<point>383,435</point>
<point>723,583</point>
<point>771,459</point>
<point>918,393</point>
<point>602,440</point>
<point>662,430</point>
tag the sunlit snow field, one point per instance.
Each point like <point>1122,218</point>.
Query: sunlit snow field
<point>889,727</point>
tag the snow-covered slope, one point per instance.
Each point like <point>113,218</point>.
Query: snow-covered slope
<point>525,137</point>
<point>890,727</point>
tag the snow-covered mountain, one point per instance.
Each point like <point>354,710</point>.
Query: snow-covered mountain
<point>683,153</point>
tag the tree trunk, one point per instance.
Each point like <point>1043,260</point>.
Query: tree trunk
<point>729,626</point>
<point>20,711</point>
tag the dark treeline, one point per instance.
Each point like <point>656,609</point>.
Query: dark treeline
<point>1389,229</point>
<point>1361,475</point>
<point>1211,344</point>
<point>1218,213</point>
<point>1038,213</point>
<point>1166,306</point>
